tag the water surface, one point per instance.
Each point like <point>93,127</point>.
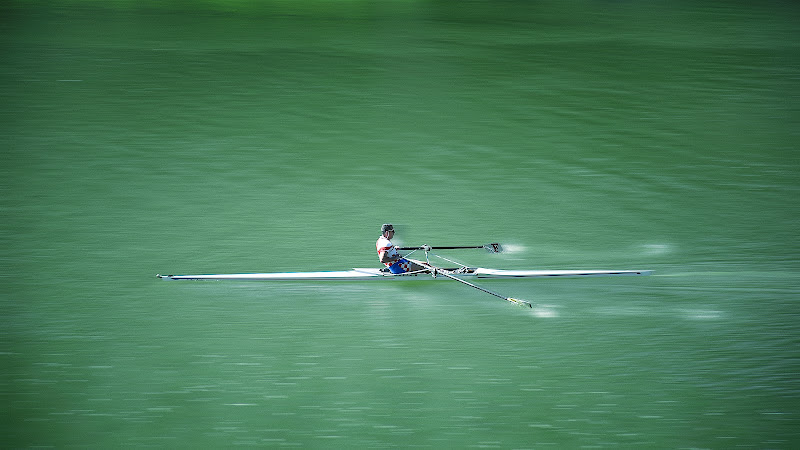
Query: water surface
<point>585,135</point>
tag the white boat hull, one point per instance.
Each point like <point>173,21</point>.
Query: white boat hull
<point>378,274</point>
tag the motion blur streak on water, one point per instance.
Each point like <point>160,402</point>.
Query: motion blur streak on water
<point>228,137</point>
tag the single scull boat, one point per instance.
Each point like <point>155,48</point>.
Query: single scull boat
<point>384,274</point>
<point>431,272</point>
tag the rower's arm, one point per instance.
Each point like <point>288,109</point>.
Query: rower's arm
<point>385,258</point>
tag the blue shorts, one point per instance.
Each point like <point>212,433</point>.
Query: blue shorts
<point>401,266</point>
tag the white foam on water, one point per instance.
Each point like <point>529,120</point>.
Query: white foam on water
<point>544,311</point>
<point>514,248</point>
<point>657,249</point>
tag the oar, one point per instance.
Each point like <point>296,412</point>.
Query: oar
<point>491,248</point>
<point>437,271</point>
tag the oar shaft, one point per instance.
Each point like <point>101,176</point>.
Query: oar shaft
<point>453,277</point>
<point>423,247</point>
<point>437,271</point>
<point>492,248</point>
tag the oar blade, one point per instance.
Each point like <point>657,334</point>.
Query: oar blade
<point>519,302</point>
<point>493,248</point>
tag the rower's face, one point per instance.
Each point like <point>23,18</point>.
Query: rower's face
<point>389,234</point>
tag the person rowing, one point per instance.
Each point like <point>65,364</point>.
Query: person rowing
<point>388,255</point>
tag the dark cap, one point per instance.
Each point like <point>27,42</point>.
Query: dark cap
<point>386,227</point>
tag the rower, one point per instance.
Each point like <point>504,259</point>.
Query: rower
<point>388,255</point>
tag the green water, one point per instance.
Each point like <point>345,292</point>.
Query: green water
<point>241,138</point>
